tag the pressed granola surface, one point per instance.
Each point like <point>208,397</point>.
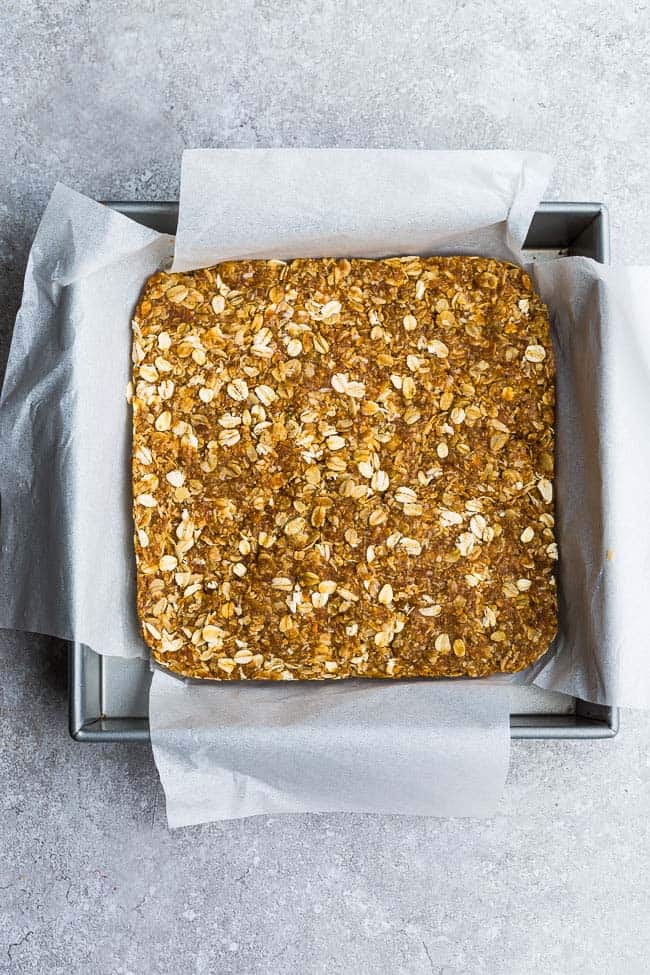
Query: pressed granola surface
<point>344,468</point>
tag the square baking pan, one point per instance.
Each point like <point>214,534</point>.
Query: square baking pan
<point>108,696</point>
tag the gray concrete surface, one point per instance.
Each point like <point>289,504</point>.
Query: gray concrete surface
<point>104,96</point>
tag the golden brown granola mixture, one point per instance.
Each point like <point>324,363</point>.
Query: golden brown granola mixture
<point>344,468</point>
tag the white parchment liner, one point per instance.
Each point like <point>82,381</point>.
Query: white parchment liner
<point>420,748</point>
<point>601,337</point>
<point>66,533</point>
<point>66,561</point>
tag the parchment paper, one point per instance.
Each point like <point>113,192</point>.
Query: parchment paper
<point>66,535</point>
<point>263,203</point>
<point>601,337</point>
<point>421,748</point>
<point>66,561</point>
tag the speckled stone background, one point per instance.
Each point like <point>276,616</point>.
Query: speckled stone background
<point>104,96</point>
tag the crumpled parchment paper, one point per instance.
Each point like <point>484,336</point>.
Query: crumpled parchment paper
<point>66,559</point>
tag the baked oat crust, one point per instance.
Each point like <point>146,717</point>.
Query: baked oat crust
<point>344,468</point>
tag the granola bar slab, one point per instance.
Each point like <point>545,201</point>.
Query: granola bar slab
<point>344,468</point>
